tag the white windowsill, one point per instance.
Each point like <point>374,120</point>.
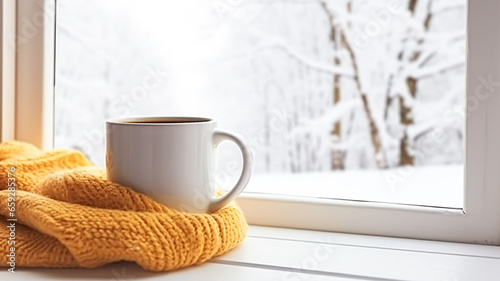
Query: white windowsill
<point>287,254</point>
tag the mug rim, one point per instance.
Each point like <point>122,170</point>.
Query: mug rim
<point>178,120</point>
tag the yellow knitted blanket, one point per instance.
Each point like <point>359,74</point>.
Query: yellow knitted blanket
<point>69,215</point>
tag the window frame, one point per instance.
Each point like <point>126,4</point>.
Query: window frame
<point>478,222</point>
<point>7,62</point>
<point>28,99</point>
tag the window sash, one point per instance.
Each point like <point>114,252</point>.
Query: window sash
<point>8,64</point>
<point>28,70</point>
<point>477,222</point>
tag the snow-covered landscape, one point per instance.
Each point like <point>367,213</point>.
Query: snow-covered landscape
<point>314,86</point>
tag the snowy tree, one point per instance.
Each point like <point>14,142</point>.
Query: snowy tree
<point>416,48</point>
<point>314,85</point>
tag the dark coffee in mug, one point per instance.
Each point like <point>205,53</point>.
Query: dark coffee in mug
<point>168,120</point>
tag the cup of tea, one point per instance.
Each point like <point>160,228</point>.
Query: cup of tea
<point>172,160</point>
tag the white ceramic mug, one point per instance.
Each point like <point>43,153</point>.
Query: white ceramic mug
<point>172,160</point>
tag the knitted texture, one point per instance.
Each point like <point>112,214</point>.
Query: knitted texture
<point>69,215</point>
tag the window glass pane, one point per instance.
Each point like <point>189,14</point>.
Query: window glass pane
<point>328,87</point>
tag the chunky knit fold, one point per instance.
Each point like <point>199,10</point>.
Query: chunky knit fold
<point>69,215</point>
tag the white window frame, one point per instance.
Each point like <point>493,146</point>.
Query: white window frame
<point>7,63</point>
<point>478,222</point>
<point>28,45</point>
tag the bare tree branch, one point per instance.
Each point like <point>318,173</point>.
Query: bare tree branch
<point>439,69</point>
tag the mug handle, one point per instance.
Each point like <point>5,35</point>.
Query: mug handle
<point>218,137</point>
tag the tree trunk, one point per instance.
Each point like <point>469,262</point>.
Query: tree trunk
<point>373,129</point>
<point>337,155</point>
<point>405,157</point>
